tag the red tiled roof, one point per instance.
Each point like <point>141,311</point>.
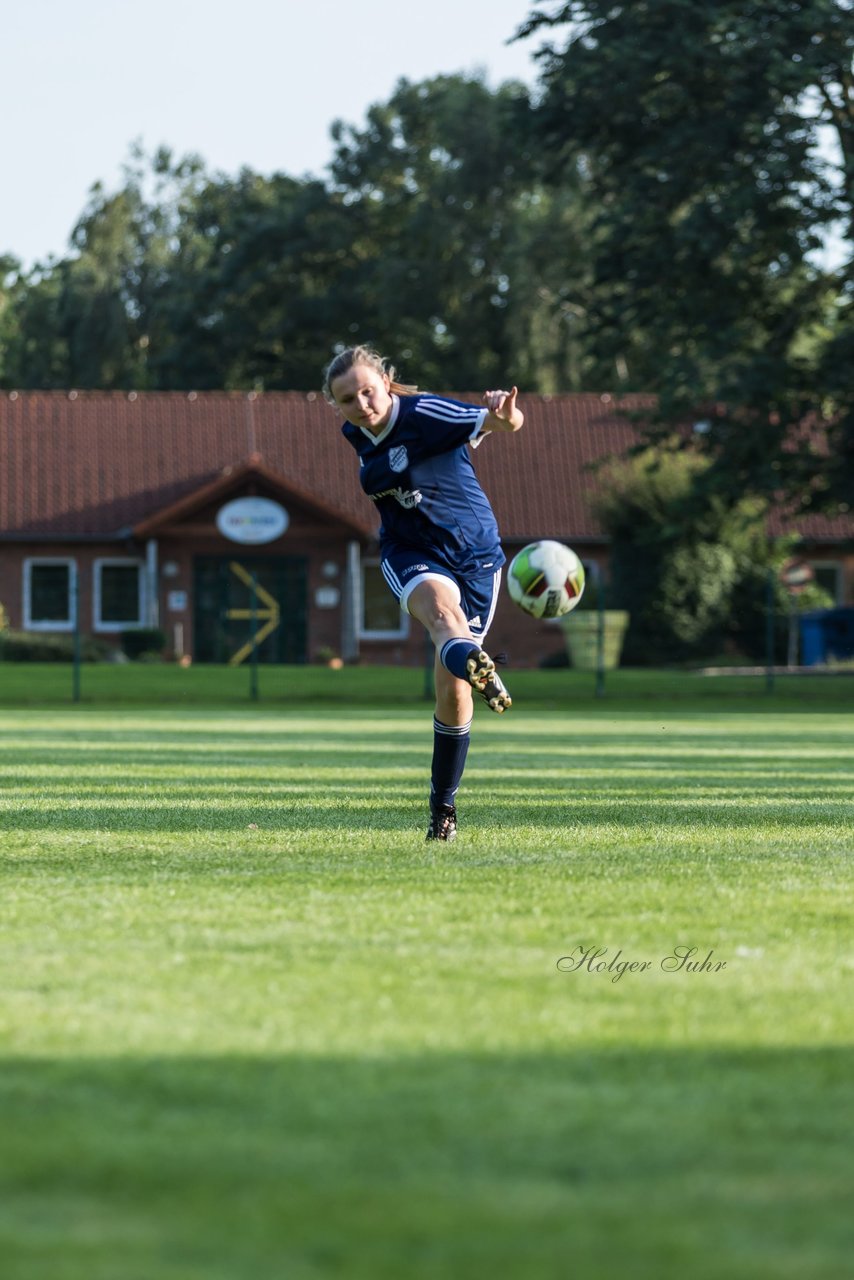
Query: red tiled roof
<point>813,528</point>
<point>99,462</point>
<point>539,479</point>
<point>232,480</point>
<point>104,461</point>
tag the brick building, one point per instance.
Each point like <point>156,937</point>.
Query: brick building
<point>162,508</point>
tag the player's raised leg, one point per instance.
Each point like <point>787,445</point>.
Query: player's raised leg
<point>435,602</point>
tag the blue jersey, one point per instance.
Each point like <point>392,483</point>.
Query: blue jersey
<point>419,473</point>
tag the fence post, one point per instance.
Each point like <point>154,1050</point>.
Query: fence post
<point>600,631</point>
<point>770,585</point>
<point>253,657</point>
<point>75,639</point>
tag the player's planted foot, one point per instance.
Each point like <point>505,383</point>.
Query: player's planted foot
<point>483,678</point>
<point>443,823</point>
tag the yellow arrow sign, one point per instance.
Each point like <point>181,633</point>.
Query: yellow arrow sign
<point>270,614</point>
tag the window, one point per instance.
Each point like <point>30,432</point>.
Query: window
<point>828,576</point>
<point>119,600</point>
<point>48,604</point>
<point>382,617</point>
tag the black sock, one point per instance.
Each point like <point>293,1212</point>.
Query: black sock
<point>450,748</point>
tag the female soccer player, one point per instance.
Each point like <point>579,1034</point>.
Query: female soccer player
<point>439,543</point>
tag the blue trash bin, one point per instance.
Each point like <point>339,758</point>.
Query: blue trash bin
<point>839,633</point>
<point>813,650</point>
<point>826,634</point>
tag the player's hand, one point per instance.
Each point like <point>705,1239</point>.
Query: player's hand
<point>502,405</point>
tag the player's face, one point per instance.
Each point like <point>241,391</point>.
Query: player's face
<point>363,396</point>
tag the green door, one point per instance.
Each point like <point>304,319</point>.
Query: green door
<point>222,608</point>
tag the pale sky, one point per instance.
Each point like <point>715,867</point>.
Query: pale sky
<point>240,82</point>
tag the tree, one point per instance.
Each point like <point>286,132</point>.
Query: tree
<point>464,262</point>
<point>256,285</point>
<point>434,236</point>
<point>86,320</point>
<point>690,567</point>
<point>30,347</point>
<point>703,132</point>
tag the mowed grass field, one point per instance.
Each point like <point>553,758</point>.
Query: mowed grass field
<point>251,1025</point>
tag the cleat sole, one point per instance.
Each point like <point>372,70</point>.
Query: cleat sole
<point>483,679</point>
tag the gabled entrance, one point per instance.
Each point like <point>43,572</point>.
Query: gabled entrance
<point>204,550</point>
<point>222,620</point>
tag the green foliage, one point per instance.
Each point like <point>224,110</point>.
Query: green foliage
<point>257,287</point>
<point>691,569</point>
<point>435,236</point>
<point>710,173</point>
<point>489,257</point>
<point>140,642</point>
<point>35,646</point>
<point>87,319</point>
<point>748,621</point>
<point>679,555</point>
<point>697,588</point>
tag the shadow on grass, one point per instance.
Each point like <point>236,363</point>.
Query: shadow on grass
<point>651,1164</point>
<point>389,808</point>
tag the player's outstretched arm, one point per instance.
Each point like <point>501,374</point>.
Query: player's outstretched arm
<point>504,413</point>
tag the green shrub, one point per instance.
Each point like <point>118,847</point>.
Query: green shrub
<point>143,640</point>
<point>691,568</point>
<point>554,661</point>
<point>35,646</point>
<point>749,620</point>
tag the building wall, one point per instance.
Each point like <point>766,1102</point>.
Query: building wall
<point>326,556</point>
<point>832,565</point>
<point>322,551</point>
<point>527,642</point>
<point>84,556</point>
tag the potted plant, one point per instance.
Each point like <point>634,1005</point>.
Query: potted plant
<point>590,625</point>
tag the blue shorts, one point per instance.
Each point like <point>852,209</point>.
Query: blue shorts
<point>404,570</point>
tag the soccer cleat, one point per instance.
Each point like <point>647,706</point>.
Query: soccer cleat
<point>443,823</point>
<point>486,681</point>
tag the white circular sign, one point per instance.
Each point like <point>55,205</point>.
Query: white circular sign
<point>795,575</point>
<point>252,520</point>
<point>327,597</point>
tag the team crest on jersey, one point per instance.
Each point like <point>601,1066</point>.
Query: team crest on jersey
<point>398,459</point>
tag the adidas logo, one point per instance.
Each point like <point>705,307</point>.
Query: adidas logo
<point>475,622</point>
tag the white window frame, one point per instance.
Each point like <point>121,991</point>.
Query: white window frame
<point>403,630</point>
<point>30,624</point>
<point>104,624</point>
<point>839,570</point>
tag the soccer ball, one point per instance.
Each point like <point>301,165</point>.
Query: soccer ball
<point>546,579</point>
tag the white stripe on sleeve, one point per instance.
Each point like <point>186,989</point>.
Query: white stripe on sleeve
<point>448,412</point>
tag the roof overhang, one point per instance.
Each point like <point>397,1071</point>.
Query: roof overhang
<point>233,480</point>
